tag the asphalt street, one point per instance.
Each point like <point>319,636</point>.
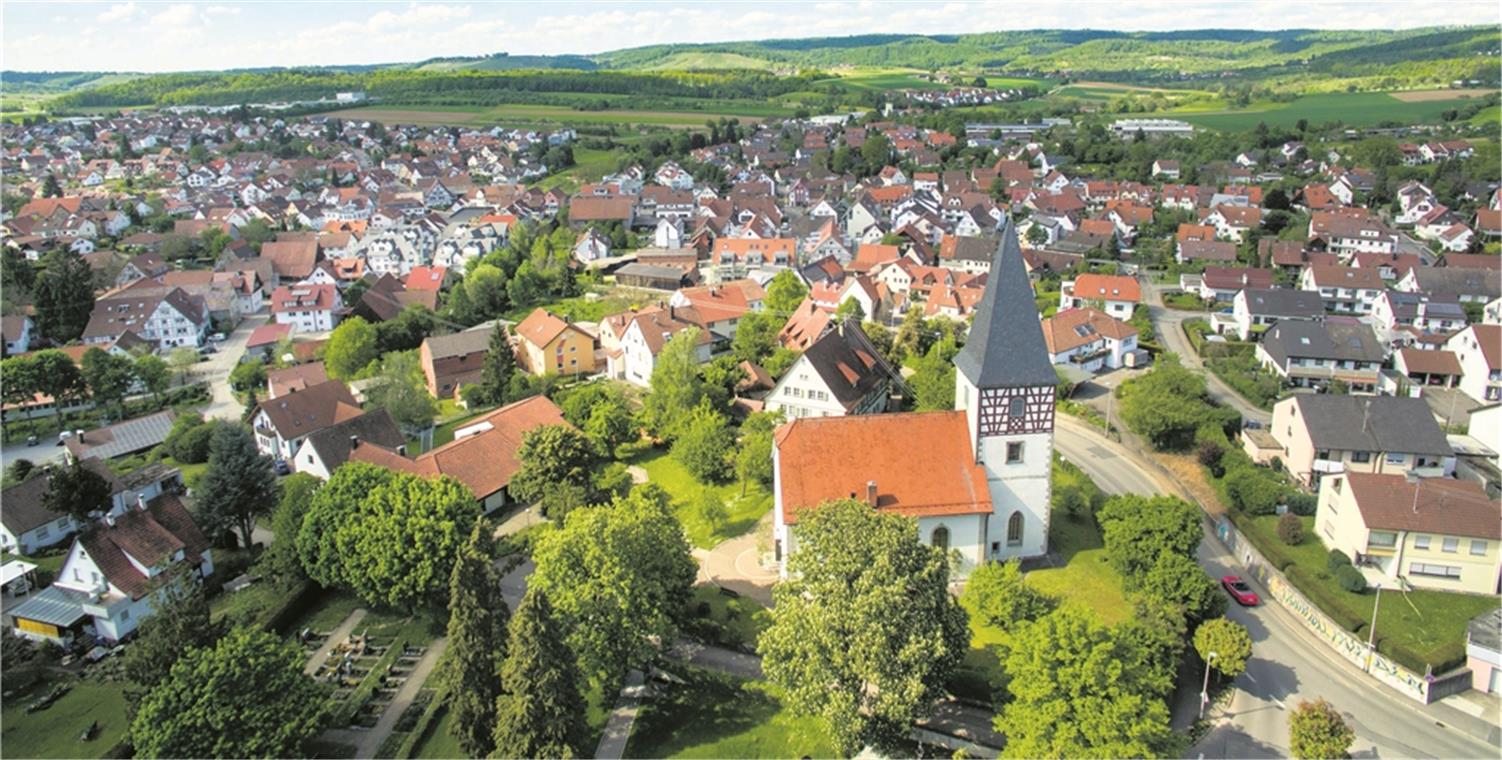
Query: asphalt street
<point>1288,664</point>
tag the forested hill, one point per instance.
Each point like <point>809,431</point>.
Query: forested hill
<point>1149,55</point>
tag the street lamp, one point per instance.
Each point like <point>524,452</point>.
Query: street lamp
<point>1205,687</point>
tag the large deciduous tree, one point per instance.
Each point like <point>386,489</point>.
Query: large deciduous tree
<point>704,445</point>
<point>675,384</point>
<point>351,346</point>
<point>998,594</point>
<point>400,389</point>
<point>619,576</point>
<point>864,632</point>
<point>477,643</point>
<point>239,484</point>
<point>109,377</point>
<point>244,697</point>
<point>556,470</point>
<point>784,293</point>
<point>1075,694</point>
<point>540,712</point>
<point>281,561</point>
<point>1137,529</point>
<point>181,623</point>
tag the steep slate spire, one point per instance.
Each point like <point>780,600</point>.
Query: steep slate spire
<point>1005,347</point>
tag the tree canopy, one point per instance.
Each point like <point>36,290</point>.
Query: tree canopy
<point>351,346</point>
<point>75,490</point>
<point>540,712</point>
<point>864,632</point>
<point>246,696</point>
<point>239,484</point>
<point>478,617</point>
<point>619,576</point>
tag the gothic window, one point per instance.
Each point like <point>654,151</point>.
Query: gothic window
<point>940,538</point>
<point>1014,529</point>
<point>1014,407</point>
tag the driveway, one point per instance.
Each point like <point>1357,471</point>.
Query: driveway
<point>1169,325</point>
<point>216,367</point>
<point>739,565</point>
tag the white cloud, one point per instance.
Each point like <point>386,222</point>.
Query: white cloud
<point>178,15</point>
<point>118,12</point>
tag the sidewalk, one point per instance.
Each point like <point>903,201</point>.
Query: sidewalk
<point>339,635</point>
<point>612,744</point>
<point>371,741</point>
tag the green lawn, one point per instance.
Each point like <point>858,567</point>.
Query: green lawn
<point>730,621</point>
<point>585,308</point>
<point>1086,580</point>
<point>1424,627</point>
<point>1357,109</point>
<point>1184,302</point>
<point>716,715</point>
<point>54,732</point>
<point>439,742</point>
<point>743,511</point>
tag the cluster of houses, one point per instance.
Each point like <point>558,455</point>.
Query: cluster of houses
<point>1344,301</point>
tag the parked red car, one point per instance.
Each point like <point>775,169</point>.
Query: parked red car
<point>1242,593</point>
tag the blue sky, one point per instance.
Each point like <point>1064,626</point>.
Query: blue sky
<point>143,35</point>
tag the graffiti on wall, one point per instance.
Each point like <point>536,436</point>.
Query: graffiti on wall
<point>1342,641</point>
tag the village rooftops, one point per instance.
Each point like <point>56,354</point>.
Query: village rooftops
<point>122,438</point>
<point>1005,347</point>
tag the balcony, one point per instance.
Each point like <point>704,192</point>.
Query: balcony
<point>1328,466</point>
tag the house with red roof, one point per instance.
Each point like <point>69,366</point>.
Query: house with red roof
<point>548,345</point>
<point>1116,295</point>
<point>307,308</point>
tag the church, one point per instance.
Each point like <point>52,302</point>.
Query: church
<point>976,478</point>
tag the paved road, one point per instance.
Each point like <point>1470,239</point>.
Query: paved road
<point>216,368</point>
<point>1288,663</point>
<point>1168,324</point>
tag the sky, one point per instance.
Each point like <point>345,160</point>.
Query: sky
<point>143,35</point>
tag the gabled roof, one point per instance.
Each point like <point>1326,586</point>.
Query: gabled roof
<point>280,382</point>
<point>463,343</point>
<point>23,510</point>
<point>291,259</point>
<point>1283,302</point>
<point>1372,423</point>
<point>1073,328</point>
<point>1107,287</point>
<point>314,408</point>
<point>541,328</point>
<point>150,536</point>
<point>1435,505</point>
<point>1005,347</point>
<point>1322,340</point>
<point>122,438</point>
<point>335,442</point>
<point>848,364</point>
<point>932,472</point>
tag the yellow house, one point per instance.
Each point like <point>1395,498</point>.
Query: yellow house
<point>1435,533</point>
<point>551,346</point>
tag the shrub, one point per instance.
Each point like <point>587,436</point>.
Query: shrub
<point>1300,503</point>
<point>1350,579</point>
<point>1337,560</point>
<point>1291,529</point>
<point>1329,601</point>
<point>1209,453</point>
<point>1253,491</point>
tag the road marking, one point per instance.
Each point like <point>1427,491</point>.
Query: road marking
<point>1279,703</point>
<point>1249,677</point>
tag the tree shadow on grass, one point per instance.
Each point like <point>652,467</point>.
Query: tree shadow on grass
<point>709,708</point>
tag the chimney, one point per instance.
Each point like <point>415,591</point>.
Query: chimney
<point>402,449</point>
<point>871,492</point>
<point>354,442</point>
<point>141,502</point>
<point>79,434</point>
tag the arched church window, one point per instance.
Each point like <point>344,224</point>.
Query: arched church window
<point>1014,529</point>
<point>940,538</point>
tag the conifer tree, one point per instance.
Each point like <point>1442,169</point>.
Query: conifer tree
<point>540,712</point>
<point>477,642</point>
<point>499,367</point>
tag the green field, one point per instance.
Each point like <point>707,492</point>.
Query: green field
<point>715,715</point>
<point>1358,109</point>
<point>743,511</point>
<point>706,59</point>
<point>55,732</point>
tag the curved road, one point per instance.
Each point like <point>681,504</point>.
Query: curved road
<point>1168,324</point>
<point>1288,663</point>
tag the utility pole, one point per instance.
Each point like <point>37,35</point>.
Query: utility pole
<point>1205,687</point>
<point>1371,638</point>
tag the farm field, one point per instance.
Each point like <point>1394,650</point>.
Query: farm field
<point>1361,109</point>
<point>519,113</point>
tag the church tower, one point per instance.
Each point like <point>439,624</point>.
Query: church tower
<point>1005,383</point>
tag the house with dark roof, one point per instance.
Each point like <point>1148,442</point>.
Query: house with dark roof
<point>1458,284</point>
<point>1434,533</point>
<point>1316,354</point>
<point>1345,290</point>
<point>1426,368</point>
<point>838,374</point>
<point>322,452</point>
<point>1254,310</point>
<point>1324,434</point>
<point>975,478</point>
<point>122,438</point>
<point>1395,309</point>
<point>483,454</point>
<point>282,423</point>
<point>450,362</point>
<point>109,581</point>
<point>168,317</point>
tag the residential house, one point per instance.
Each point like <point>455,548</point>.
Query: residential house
<point>483,455</point>
<point>1205,251</point>
<point>552,346</point>
<point>122,438</point>
<point>1316,354</point>
<point>298,377</point>
<point>1452,284</point>
<point>281,424</point>
<point>19,332</point>
<point>170,318</point>
<point>1479,349</point>
<point>450,362</point>
<point>1427,533</point>
<point>322,452</point>
<point>1221,284</point>
<point>840,373</point>
<point>1116,295</point>
<point>1255,309</point>
<point>1089,339</point>
<point>649,330</point>
<point>1483,649</point>
<point>1428,368</point>
<point>292,260</point>
<point>1395,309</point>
<point>307,308</point>
<point>1325,434</point>
<point>105,586</point>
<point>1344,290</point>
